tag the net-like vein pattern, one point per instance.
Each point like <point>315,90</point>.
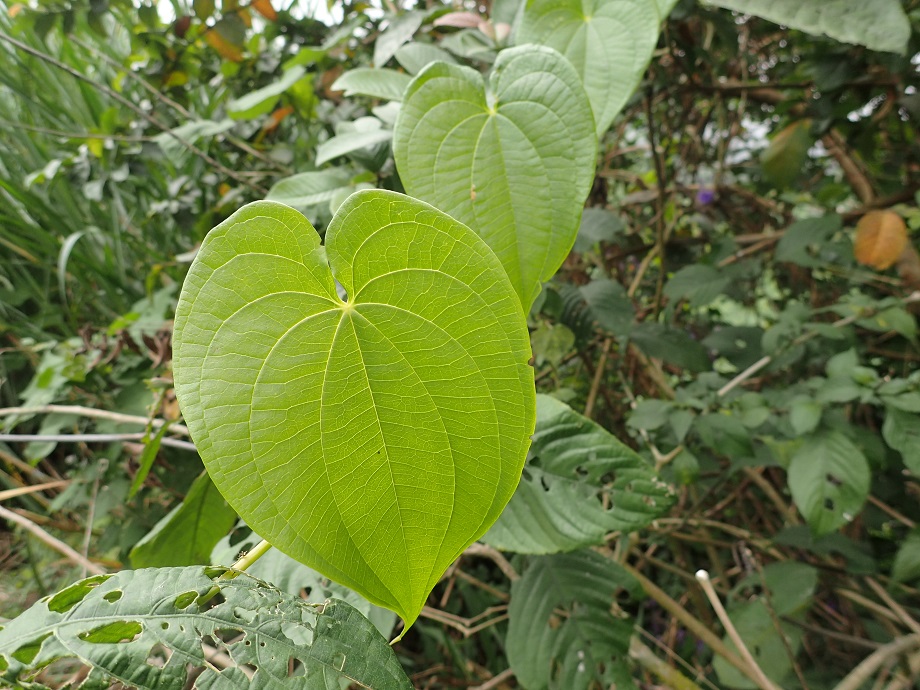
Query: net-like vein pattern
<point>372,439</point>
<point>514,160</point>
<point>609,42</point>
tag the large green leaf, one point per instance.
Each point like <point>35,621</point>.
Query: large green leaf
<point>610,43</point>
<point>584,648</point>
<point>188,533</point>
<point>513,159</point>
<point>580,483</point>
<point>879,25</point>
<point>144,628</point>
<point>829,479</point>
<point>372,439</point>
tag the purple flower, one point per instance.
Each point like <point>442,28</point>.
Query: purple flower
<point>704,197</point>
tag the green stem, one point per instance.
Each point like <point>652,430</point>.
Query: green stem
<point>241,564</point>
<point>247,559</point>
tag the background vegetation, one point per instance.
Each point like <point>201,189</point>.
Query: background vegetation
<point>713,316</point>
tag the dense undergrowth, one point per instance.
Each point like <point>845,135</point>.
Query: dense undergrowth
<point>713,316</point>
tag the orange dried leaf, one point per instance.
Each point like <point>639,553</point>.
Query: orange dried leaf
<point>264,7</point>
<point>224,48</point>
<point>881,237</point>
<point>276,117</point>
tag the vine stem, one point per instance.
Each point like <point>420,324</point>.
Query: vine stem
<point>248,559</point>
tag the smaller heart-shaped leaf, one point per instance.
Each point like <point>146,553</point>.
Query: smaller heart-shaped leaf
<point>610,43</point>
<point>373,438</point>
<point>513,159</point>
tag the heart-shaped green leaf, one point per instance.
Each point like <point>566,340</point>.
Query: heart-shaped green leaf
<point>610,43</point>
<point>513,159</point>
<point>372,439</point>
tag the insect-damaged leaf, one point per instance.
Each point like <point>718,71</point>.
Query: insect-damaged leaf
<point>144,628</point>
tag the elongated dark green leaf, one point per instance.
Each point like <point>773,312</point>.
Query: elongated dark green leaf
<point>399,30</point>
<point>372,439</point>
<point>587,646</point>
<point>348,142</point>
<point>378,83</point>
<point>579,484</point>
<point>145,461</point>
<point>261,101</point>
<point>190,132</point>
<point>116,623</point>
<point>513,159</point>
<point>306,190</point>
<point>829,479</point>
<point>879,25</point>
<point>610,43</point>
<point>189,532</point>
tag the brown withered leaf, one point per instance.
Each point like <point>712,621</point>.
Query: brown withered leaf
<point>881,237</point>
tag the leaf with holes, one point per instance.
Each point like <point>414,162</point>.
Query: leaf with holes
<point>610,43</point>
<point>144,628</point>
<point>879,25</point>
<point>580,483</point>
<point>372,439</point>
<point>586,646</point>
<point>829,479</point>
<point>513,159</point>
<point>295,578</point>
